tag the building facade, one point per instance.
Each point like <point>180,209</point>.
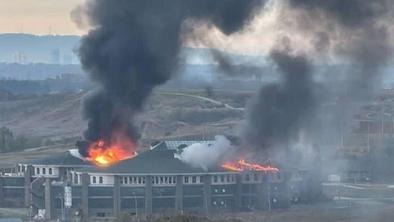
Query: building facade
<point>154,182</point>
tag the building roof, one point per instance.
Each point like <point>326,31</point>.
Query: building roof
<point>152,162</point>
<point>177,145</point>
<point>68,158</point>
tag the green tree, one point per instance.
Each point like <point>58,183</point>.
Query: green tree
<point>6,139</point>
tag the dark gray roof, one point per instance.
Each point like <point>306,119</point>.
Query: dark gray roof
<point>152,162</point>
<point>61,159</point>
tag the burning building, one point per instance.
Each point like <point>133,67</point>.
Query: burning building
<point>153,182</point>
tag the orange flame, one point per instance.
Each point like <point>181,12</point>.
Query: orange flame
<point>242,165</point>
<point>103,154</point>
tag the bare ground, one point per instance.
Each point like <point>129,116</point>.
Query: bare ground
<point>166,114</point>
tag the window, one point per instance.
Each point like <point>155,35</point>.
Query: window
<point>125,180</point>
<point>156,180</point>
<point>101,214</point>
<point>38,170</point>
<point>247,177</point>
<point>50,171</point>
<point>161,180</point>
<point>44,170</point>
<point>170,180</point>
<point>76,178</point>
<point>186,179</point>
<point>256,177</point>
<point>139,180</point>
<point>222,178</point>
<point>130,180</point>
<point>201,179</point>
<point>101,179</point>
<point>166,180</point>
<point>215,179</point>
<point>143,180</point>
<point>135,180</point>
<point>94,180</point>
<point>194,179</point>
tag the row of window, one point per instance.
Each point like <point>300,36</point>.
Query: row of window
<point>22,168</point>
<point>37,171</point>
<point>164,180</point>
<point>224,178</point>
<point>132,180</point>
<point>230,178</point>
<point>44,171</point>
<point>170,180</point>
<point>97,180</point>
<point>251,177</point>
<point>77,179</point>
<point>161,180</point>
<point>193,179</point>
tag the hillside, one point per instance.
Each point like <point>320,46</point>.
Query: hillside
<point>166,115</point>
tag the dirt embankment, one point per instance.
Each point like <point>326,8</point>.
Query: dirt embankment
<point>166,114</point>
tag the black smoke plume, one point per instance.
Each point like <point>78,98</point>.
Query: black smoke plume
<point>281,110</point>
<point>133,47</point>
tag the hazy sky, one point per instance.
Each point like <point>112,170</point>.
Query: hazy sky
<point>38,16</point>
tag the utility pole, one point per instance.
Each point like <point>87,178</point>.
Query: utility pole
<point>62,206</point>
<point>269,197</point>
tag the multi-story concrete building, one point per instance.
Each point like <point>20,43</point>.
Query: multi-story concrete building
<point>25,187</point>
<point>155,181</point>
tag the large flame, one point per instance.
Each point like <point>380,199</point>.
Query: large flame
<point>105,154</point>
<point>242,165</point>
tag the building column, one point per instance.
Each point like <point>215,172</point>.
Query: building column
<point>179,195</point>
<point>116,196</point>
<point>286,190</point>
<point>49,207</point>
<point>148,195</point>
<point>207,194</point>
<point>262,193</point>
<point>238,192</point>
<point>85,180</point>
<point>1,191</point>
<point>38,194</point>
<point>28,174</point>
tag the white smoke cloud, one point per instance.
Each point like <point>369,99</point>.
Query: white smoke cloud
<point>207,155</point>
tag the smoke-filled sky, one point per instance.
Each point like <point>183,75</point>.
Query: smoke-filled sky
<point>43,17</point>
<point>39,17</point>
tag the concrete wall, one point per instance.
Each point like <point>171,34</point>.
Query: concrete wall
<point>206,196</point>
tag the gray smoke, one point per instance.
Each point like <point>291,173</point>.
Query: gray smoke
<point>356,30</point>
<point>207,155</point>
<point>281,110</point>
<point>226,67</point>
<point>133,47</point>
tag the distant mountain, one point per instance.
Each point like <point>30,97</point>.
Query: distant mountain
<point>26,48</point>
